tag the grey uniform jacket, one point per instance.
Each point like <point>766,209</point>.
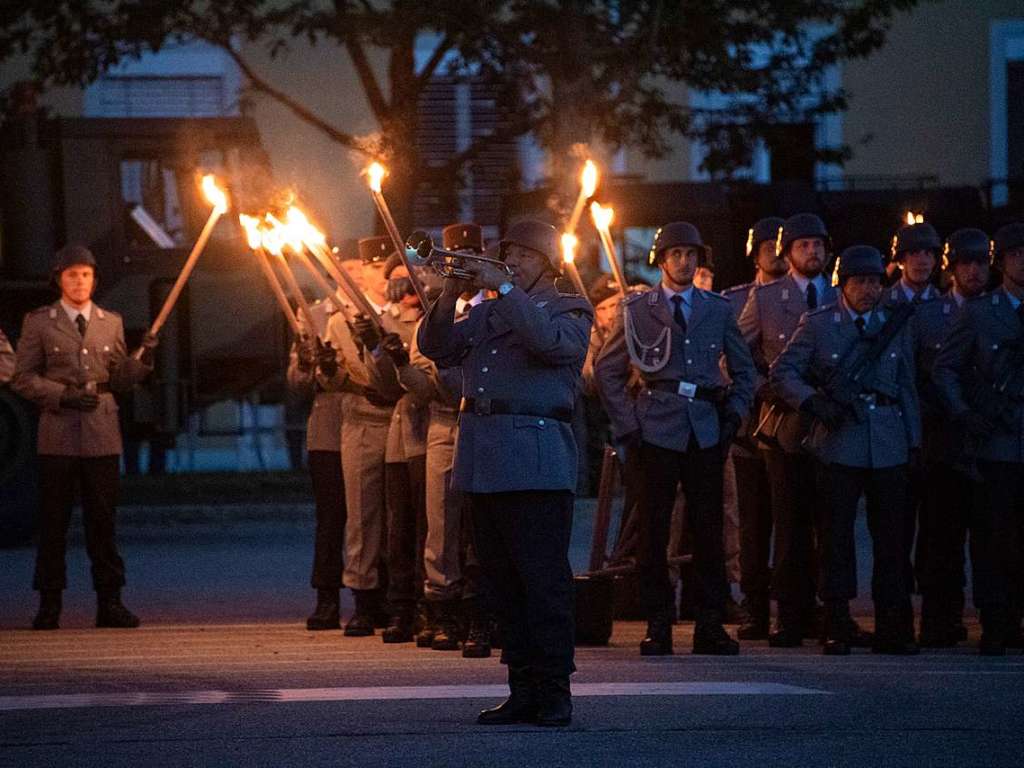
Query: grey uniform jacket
<point>896,295</point>
<point>880,435</point>
<point>932,322</point>
<point>768,321</point>
<point>667,419</point>
<point>967,363</point>
<point>527,349</point>
<point>407,433</point>
<point>52,356</point>
<point>6,359</point>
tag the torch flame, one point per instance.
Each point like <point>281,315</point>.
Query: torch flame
<point>602,216</point>
<point>915,218</point>
<point>251,225</point>
<point>375,174</point>
<point>217,197</point>
<point>588,180</point>
<point>299,223</point>
<point>569,243</point>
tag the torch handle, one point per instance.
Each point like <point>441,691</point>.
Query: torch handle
<point>574,275</point>
<point>321,281</point>
<point>296,292</point>
<point>613,260</point>
<point>277,290</point>
<point>577,213</point>
<point>345,281</point>
<point>396,241</point>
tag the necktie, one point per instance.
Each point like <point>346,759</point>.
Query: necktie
<point>812,296</point>
<point>861,324</point>
<point>81,322</point>
<point>677,313</point>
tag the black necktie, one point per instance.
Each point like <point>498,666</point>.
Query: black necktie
<point>861,324</point>
<point>80,321</point>
<point>812,296</point>
<point>677,313</point>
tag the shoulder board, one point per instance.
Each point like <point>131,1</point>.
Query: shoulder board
<point>712,294</point>
<point>737,289</point>
<point>770,283</point>
<point>633,297</point>
<point>821,310</point>
<point>102,313</point>
<point>46,309</point>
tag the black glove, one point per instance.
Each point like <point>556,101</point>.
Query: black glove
<point>306,352</point>
<point>365,330</point>
<point>824,409</point>
<point>974,424</point>
<point>728,426</point>
<point>77,399</point>
<point>327,360</point>
<point>393,345</point>
<point>144,353</point>
<point>398,288</point>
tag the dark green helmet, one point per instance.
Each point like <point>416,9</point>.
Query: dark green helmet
<point>860,260</point>
<point>967,245</point>
<point>916,237</point>
<point>675,235</point>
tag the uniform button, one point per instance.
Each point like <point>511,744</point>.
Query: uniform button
<point>689,362</point>
<point>479,389</point>
<point>871,407</point>
<point>541,422</point>
<point>782,335</point>
<point>686,341</point>
<point>85,351</point>
<point>494,351</point>
<point>657,349</point>
<point>484,369</point>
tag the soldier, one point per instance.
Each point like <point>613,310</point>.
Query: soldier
<point>767,322</point>
<point>70,359</point>
<point>681,426</point>
<point>948,490</point>
<point>753,492</point>
<point>850,367</point>
<point>979,373</point>
<point>916,248</point>
<point>309,367</point>
<point>516,458</point>
<point>6,359</point>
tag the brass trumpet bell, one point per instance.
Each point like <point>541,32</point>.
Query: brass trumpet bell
<point>457,265</point>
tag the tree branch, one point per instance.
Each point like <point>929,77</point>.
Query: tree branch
<point>423,77</point>
<point>374,95</point>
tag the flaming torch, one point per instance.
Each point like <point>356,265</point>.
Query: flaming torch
<point>914,218</point>
<point>569,243</point>
<point>588,185</point>
<point>275,238</point>
<point>602,223</point>
<point>375,174</point>
<point>219,200</point>
<point>251,225</point>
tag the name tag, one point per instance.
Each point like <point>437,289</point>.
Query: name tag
<point>686,389</point>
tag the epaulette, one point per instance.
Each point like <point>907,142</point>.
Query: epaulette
<point>770,283</point>
<point>818,310</point>
<point>711,294</point>
<point>43,310</point>
<point>737,289</point>
<point>630,298</point>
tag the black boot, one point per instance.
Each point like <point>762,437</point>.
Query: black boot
<point>554,701</point>
<point>756,625</point>
<point>710,637</point>
<point>50,603</point>
<point>362,622</point>
<point>834,635</point>
<point>658,641</point>
<point>111,613</point>
<point>326,614</point>
<point>427,624</point>
<point>478,637</point>
<point>894,631</point>
<point>448,636</point>
<point>519,707</point>
<point>956,616</point>
<point>734,612</point>
<point>993,632</point>
<point>936,626</point>
<point>789,628</point>
<point>401,628</point>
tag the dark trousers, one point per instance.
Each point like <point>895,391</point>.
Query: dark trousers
<point>98,479</point>
<point>795,562</point>
<point>406,503</point>
<point>885,491</point>
<point>329,497</point>
<point>753,500</point>
<point>997,536</point>
<point>700,472</point>
<point>944,517</point>
<point>522,540</point>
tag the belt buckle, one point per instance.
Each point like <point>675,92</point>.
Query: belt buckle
<point>482,406</point>
<point>687,389</point>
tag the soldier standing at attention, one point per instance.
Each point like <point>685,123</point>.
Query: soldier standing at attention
<point>850,367</point>
<point>917,249</point>
<point>6,359</point>
<point>979,373</point>
<point>71,357</point>
<point>753,492</point>
<point>681,426</point>
<point>948,489</point>
<point>521,355</point>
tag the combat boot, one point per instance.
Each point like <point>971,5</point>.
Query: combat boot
<point>658,640</point>
<point>554,701</point>
<point>710,637</point>
<point>956,616</point>
<point>519,707</point>
<point>936,628</point>
<point>48,616</point>
<point>401,628</point>
<point>894,631</point>
<point>111,613</point>
<point>993,632</point>
<point>756,625</point>
<point>478,637</point>
<point>449,633</point>
<point>327,614</point>
<point>789,628</point>
<point>834,636</point>
<point>361,624</point>
<point>427,624</point>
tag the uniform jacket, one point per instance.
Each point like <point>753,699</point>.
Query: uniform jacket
<point>737,296</point>
<point>521,347</point>
<point>323,427</point>
<point>880,436</point>
<point>932,323</point>
<point>6,359</point>
<point>667,419</point>
<point>52,356</point>
<point>407,434</point>
<point>896,295</point>
<point>768,321</point>
<point>966,364</point>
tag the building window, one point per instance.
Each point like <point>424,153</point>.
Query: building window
<point>156,96</point>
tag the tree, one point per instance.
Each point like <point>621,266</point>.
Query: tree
<point>578,71</point>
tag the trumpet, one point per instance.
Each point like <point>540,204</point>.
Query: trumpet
<point>456,265</point>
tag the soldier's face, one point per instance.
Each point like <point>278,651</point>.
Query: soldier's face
<point>373,278</point>
<point>769,261</point>
<point>971,277</point>
<point>355,271</point>
<point>76,284</point>
<point>1013,266</point>
<point>807,255</point>
<point>679,265</point>
<point>862,292</point>
<point>918,266</point>
<point>604,313</point>
<point>527,265</point>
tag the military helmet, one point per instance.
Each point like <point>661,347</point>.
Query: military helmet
<point>916,237</point>
<point>603,287</point>
<point>860,260</point>
<point>1008,237</point>
<point>463,237</point>
<point>763,231</point>
<point>678,234</point>
<point>800,226</point>
<point>372,249</point>
<point>966,245</point>
<point>536,236</point>
<point>71,255</point>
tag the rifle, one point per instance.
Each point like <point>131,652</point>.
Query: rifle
<point>603,515</point>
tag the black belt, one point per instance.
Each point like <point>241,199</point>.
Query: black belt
<point>878,399</point>
<point>677,387</point>
<point>485,406</point>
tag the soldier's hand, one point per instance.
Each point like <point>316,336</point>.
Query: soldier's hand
<point>145,351</point>
<point>825,409</point>
<point>728,428</point>
<point>488,276</point>
<point>305,350</point>
<point>364,329</point>
<point>974,424</point>
<point>453,288</point>
<point>77,399</point>
<point>393,345</point>
<point>327,360</point>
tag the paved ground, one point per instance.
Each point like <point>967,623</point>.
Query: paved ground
<point>223,673</point>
